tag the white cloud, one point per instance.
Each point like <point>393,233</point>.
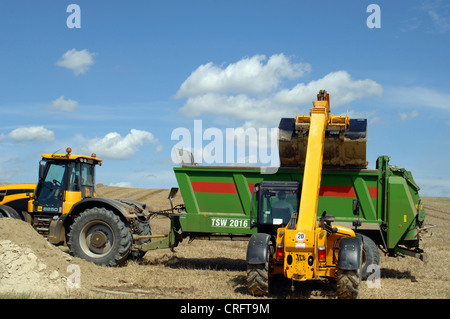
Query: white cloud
<point>7,174</point>
<point>122,184</point>
<point>440,21</point>
<point>77,61</point>
<point>418,97</point>
<point>434,187</point>
<point>249,90</point>
<point>408,116</point>
<point>239,107</point>
<point>61,104</point>
<point>249,75</point>
<point>114,146</point>
<point>30,134</point>
<point>340,85</point>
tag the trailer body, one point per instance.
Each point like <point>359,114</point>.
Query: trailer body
<point>219,201</point>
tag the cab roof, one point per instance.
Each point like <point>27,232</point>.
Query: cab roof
<point>72,157</point>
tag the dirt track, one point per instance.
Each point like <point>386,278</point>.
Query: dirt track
<point>200,269</point>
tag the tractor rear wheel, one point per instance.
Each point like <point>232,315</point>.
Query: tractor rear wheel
<point>100,236</point>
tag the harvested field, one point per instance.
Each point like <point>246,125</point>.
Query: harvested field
<point>30,267</point>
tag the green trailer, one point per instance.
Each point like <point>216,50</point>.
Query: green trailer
<point>221,202</point>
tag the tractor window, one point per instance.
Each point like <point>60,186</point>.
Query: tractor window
<point>56,173</point>
<point>87,180</point>
<point>82,177</point>
<point>74,184</point>
<point>87,175</point>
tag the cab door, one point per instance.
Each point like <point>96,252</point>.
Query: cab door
<point>50,192</point>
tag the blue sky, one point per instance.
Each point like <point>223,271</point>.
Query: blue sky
<point>135,71</point>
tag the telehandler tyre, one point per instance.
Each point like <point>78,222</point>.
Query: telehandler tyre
<point>258,279</point>
<point>370,255</point>
<point>258,276</point>
<point>100,236</point>
<point>347,284</point>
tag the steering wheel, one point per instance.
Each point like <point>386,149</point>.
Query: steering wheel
<point>57,183</point>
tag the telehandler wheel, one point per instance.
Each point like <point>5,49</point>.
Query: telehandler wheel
<point>347,284</point>
<point>258,279</point>
<point>100,236</point>
<point>370,255</point>
<point>258,276</point>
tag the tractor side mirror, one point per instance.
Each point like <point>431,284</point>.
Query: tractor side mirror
<point>41,170</point>
<point>173,193</point>
<point>356,207</point>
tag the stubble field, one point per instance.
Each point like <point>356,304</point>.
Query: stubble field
<point>200,269</point>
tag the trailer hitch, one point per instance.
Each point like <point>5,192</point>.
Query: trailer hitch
<point>416,253</point>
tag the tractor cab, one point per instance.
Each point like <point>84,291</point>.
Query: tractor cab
<point>64,180</point>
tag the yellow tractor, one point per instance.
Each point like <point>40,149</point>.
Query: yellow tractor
<point>64,208</point>
<point>306,247</point>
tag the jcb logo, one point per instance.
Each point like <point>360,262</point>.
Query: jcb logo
<point>300,257</point>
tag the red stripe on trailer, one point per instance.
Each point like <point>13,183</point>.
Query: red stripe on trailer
<point>213,187</point>
<point>325,190</point>
<point>336,191</point>
<point>344,191</point>
<point>373,191</point>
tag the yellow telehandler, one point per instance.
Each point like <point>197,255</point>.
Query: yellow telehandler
<point>306,248</point>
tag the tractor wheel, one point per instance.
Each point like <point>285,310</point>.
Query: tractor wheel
<point>370,255</point>
<point>258,276</point>
<point>348,282</point>
<point>6,211</point>
<point>100,236</point>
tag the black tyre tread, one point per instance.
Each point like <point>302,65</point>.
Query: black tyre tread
<point>124,241</point>
<point>9,210</point>
<point>141,229</point>
<point>347,285</point>
<point>371,255</point>
<point>258,279</point>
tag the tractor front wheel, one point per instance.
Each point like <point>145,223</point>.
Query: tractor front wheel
<point>100,236</point>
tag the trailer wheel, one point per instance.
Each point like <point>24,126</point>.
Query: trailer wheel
<point>370,255</point>
<point>347,285</point>
<point>258,276</point>
<point>100,236</point>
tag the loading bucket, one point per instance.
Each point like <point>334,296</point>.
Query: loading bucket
<point>342,149</point>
